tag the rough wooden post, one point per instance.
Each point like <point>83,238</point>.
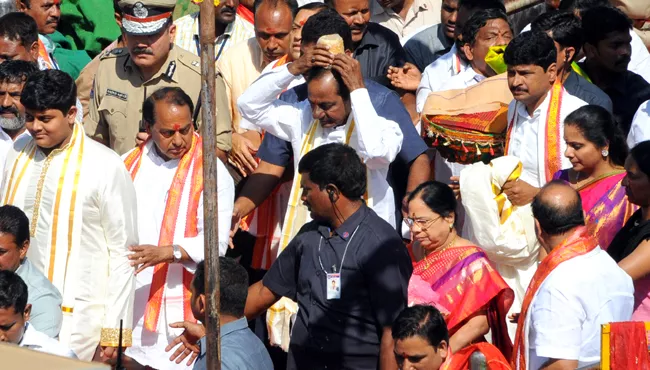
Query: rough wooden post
<point>210,214</point>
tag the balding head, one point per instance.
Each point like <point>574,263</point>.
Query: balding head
<point>557,208</point>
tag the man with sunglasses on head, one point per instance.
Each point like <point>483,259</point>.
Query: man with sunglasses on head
<point>127,76</point>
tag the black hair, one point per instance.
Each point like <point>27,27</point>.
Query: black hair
<point>233,283</point>
<point>422,321</point>
<point>18,26</point>
<point>49,89</point>
<point>582,5</point>
<point>292,4</point>
<point>17,71</point>
<point>172,96</point>
<point>332,3</point>
<point>28,3</point>
<point>13,291</point>
<point>478,20</point>
<point>597,125</point>
<point>326,22</point>
<point>599,22</point>
<point>437,196</point>
<point>313,6</point>
<point>641,155</point>
<point>336,164</point>
<point>13,221</point>
<point>116,7</point>
<point>482,4</point>
<point>318,72</point>
<point>531,48</point>
<point>554,220</point>
<point>565,29</point>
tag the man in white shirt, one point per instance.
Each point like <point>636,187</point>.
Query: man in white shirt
<point>451,63</point>
<point>167,171</point>
<point>577,288</point>
<point>14,319</point>
<point>338,110</point>
<point>640,130</point>
<point>536,115</point>
<point>13,75</point>
<point>82,209</point>
<point>405,17</point>
<point>230,29</point>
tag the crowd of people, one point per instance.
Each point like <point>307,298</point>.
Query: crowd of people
<point>434,185</point>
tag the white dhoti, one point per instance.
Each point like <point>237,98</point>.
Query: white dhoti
<point>506,233</point>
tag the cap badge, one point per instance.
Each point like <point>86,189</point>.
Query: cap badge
<point>140,11</point>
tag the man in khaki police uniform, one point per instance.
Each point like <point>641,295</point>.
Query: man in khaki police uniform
<point>127,76</point>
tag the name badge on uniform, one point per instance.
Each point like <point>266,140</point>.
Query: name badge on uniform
<point>333,286</point>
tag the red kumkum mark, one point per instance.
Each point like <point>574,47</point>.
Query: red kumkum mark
<point>177,127</point>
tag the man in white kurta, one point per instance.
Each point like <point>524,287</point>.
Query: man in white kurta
<point>81,205</point>
<point>536,115</point>
<point>164,170</point>
<point>13,74</point>
<point>354,122</point>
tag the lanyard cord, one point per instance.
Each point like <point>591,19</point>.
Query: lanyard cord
<point>344,253</point>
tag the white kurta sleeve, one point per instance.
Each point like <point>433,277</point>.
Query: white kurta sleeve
<point>118,215</point>
<point>640,129</point>
<point>226,195</point>
<point>424,89</point>
<point>194,246</point>
<point>379,139</point>
<point>259,105</point>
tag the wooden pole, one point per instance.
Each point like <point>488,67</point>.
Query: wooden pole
<point>211,226</point>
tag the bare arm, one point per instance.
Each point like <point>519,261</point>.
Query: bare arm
<point>257,188</point>
<point>474,329</point>
<point>637,264</point>
<point>260,298</point>
<point>386,354</point>
<point>408,99</point>
<point>419,172</point>
<point>555,364</point>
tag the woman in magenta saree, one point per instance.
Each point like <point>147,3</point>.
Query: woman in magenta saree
<point>455,276</point>
<point>597,150</point>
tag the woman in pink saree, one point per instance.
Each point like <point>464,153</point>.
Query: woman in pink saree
<point>597,150</point>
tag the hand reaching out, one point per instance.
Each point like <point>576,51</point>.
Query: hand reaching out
<point>405,78</point>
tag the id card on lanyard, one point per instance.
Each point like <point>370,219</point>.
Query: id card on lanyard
<point>333,280</point>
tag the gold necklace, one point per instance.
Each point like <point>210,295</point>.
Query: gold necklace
<point>440,251</point>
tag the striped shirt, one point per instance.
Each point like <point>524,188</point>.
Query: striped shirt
<point>187,34</point>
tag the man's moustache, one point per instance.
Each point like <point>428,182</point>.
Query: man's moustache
<point>52,20</point>
<point>227,9</point>
<point>9,110</point>
<point>145,51</point>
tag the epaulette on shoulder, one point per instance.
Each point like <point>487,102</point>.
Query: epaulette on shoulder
<point>190,60</point>
<point>115,53</point>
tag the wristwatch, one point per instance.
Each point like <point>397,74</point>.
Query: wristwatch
<point>177,253</point>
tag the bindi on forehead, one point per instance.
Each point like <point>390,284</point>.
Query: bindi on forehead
<point>176,126</point>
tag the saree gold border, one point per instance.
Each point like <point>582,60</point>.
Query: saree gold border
<point>73,202</point>
<point>57,204</point>
<point>111,337</point>
<point>12,192</point>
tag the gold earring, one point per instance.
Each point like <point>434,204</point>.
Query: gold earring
<point>451,226</point>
